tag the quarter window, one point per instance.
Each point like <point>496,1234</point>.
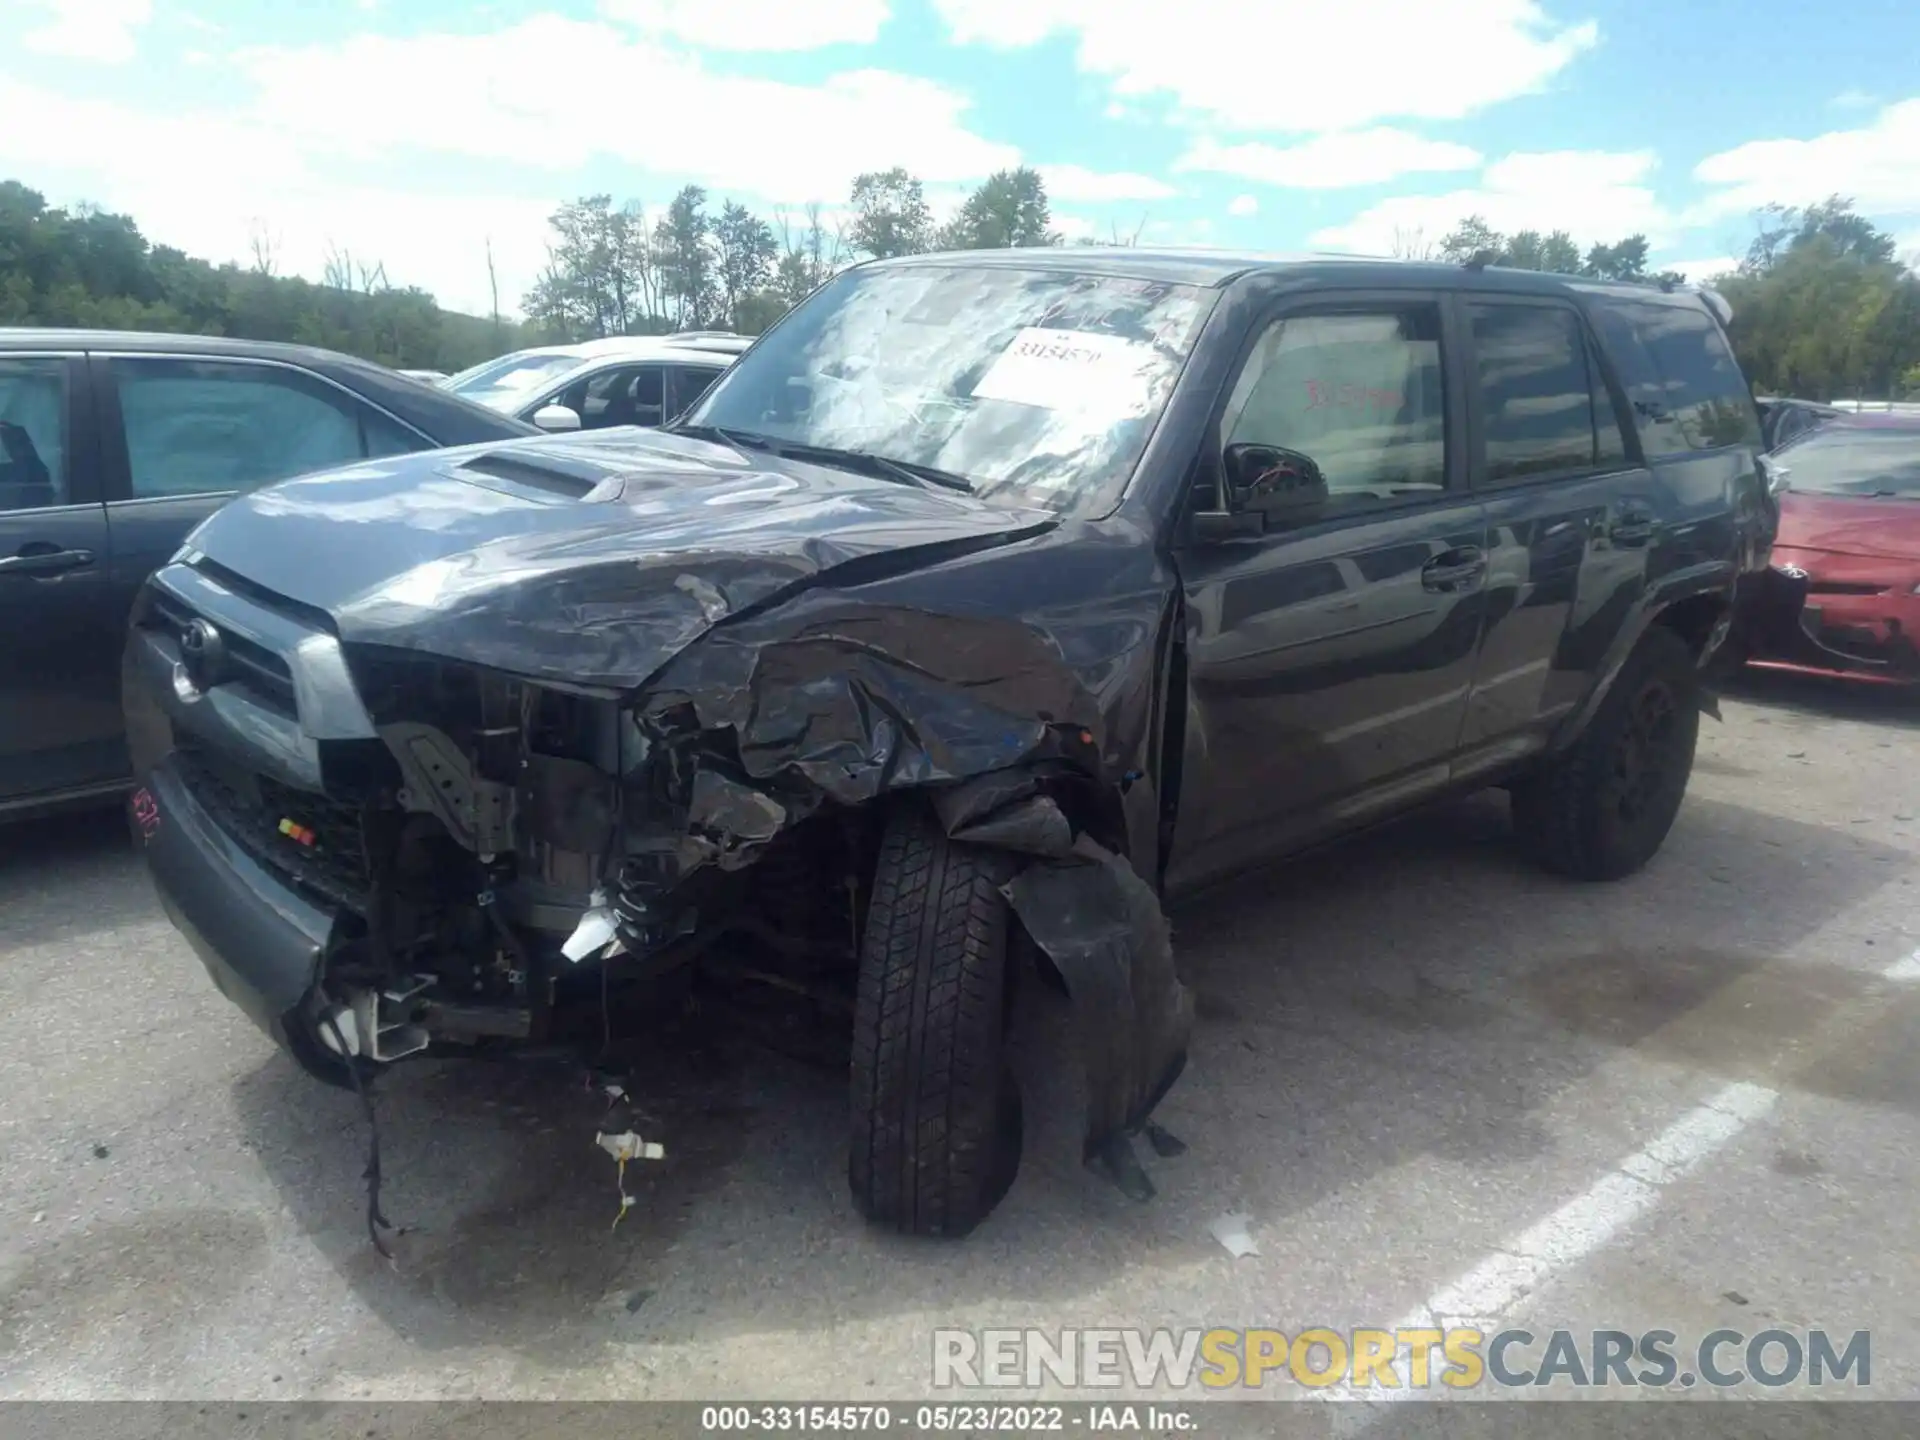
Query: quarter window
<point>1361,393</point>
<point>197,427</point>
<point>1544,410</point>
<point>33,434</point>
<point>1685,387</point>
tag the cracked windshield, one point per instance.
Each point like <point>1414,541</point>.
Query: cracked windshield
<point>1036,386</point>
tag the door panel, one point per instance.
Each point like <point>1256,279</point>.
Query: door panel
<point>1328,665</point>
<point>59,647</point>
<point>1550,455</point>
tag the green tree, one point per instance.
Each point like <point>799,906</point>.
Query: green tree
<point>1530,250</point>
<point>1623,260</point>
<point>1009,209</point>
<point>890,214</point>
<point>747,250</point>
<point>684,257</point>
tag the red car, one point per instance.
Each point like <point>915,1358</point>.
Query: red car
<point>1850,543</point>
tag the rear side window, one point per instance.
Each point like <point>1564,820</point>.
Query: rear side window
<point>210,426</point>
<point>33,433</point>
<point>1680,376</point>
<point>1544,410</point>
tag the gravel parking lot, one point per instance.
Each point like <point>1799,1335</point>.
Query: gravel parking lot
<point>1418,1068</point>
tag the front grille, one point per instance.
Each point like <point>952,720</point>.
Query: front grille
<point>264,675</point>
<point>250,807</point>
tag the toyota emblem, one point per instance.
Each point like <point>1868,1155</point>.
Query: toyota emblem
<point>204,654</point>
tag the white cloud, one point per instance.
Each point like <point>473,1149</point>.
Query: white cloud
<point>1594,195</point>
<point>1329,162</point>
<point>100,30</point>
<point>1076,184</point>
<point>769,138</point>
<point>245,178</point>
<point>1297,67</point>
<point>1699,270</point>
<point>754,24</point>
<point>275,143</point>
<point>1877,166</point>
<point>1243,205</point>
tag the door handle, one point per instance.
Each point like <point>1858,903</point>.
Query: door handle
<point>45,562</point>
<point>1633,527</point>
<point>1457,569</point>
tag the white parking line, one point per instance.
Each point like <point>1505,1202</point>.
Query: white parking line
<point>1522,1264</point>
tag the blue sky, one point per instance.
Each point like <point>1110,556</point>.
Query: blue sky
<point>422,133</point>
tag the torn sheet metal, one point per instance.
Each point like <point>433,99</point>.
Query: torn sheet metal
<point>1104,930</point>
<point>852,699</point>
<point>786,636</point>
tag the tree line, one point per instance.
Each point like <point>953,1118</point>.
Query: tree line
<point>88,268</point>
<point>612,269</point>
<point>1823,307</point>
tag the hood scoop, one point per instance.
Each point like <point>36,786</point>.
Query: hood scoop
<point>544,474</point>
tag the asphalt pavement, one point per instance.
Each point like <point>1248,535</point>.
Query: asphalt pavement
<point>1436,1082</point>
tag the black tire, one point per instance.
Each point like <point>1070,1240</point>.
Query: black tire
<point>936,1117</point>
<point>1601,809</point>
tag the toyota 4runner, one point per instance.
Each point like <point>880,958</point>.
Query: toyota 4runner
<point>987,602</point>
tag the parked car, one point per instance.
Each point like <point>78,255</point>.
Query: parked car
<point>429,377</point>
<point>598,384</point>
<point>113,447</point>
<point>1847,562</point>
<point>987,601</point>
<point>1782,421</point>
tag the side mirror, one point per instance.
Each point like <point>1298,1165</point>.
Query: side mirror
<point>1272,482</point>
<point>556,419</point>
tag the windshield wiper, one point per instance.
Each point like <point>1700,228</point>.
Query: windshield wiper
<point>739,439</point>
<point>863,461</point>
<point>908,470</point>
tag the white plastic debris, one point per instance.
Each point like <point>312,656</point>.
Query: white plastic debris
<point>596,932</point>
<point>1231,1231</point>
<point>625,1146</point>
<point>628,1145</point>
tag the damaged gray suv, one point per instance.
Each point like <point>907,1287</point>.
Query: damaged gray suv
<point>989,601</point>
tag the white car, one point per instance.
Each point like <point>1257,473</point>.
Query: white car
<point>597,384</point>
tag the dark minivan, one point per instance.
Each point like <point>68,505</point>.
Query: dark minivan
<point>112,448</point>
<point>988,600</point>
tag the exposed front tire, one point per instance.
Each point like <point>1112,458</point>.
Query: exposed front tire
<point>936,1119</point>
<point>1600,810</point>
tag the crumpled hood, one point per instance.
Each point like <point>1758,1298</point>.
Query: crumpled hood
<point>1850,525</point>
<point>586,560</point>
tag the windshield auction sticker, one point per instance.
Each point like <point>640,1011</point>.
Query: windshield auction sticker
<point>1071,370</point>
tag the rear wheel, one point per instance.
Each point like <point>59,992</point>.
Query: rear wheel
<point>935,1114</point>
<point>1601,810</point>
